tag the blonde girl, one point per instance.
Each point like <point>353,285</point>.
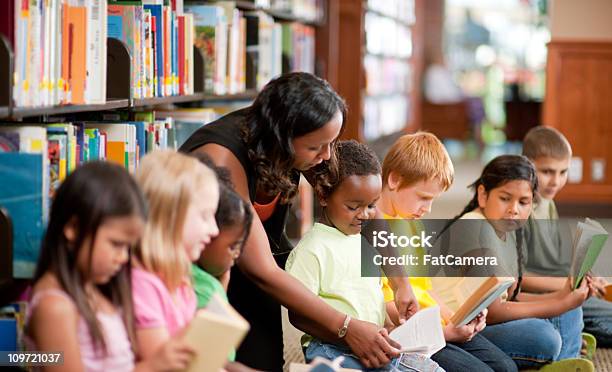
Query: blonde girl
<point>182,195</point>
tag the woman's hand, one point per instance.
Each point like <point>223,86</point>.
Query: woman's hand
<point>371,344</point>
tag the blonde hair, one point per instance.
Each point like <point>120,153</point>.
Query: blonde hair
<point>418,157</point>
<point>169,181</point>
<point>546,142</point>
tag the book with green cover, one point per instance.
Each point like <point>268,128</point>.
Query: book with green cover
<point>589,241</point>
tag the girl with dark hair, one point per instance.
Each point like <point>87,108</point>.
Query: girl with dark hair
<point>291,127</point>
<point>533,329</point>
<point>81,302</point>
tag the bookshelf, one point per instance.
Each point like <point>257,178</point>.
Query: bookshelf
<point>282,15</point>
<point>375,64</point>
<point>122,104</point>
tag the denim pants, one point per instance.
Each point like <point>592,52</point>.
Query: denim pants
<point>477,355</point>
<point>533,342</point>
<point>406,362</point>
<point>597,314</point>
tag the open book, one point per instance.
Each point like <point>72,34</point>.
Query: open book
<point>422,333</point>
<point>213,332</point>
<point>474,294</point>
<point>588,242</point>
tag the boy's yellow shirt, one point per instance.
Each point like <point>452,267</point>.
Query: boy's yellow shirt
<point>420,285</point>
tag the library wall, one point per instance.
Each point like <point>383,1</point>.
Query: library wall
<point>578,87</point>
<point>578,90</point>
<point>586,20</point>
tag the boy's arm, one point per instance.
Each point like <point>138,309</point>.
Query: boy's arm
<point>405,300</point>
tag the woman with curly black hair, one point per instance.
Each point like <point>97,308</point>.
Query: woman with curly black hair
<point>292,126</point>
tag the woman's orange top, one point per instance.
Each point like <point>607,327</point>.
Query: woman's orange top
<point>265,211</point>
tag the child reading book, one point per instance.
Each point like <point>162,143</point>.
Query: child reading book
<point>211,272</point>
<point>182,195</point>
<point>81,302</point>
<point>416,171</point>
<point>326,260</point>
<point>548,260</point>
<point>532,329</point>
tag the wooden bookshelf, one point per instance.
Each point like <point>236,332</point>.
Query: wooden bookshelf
<point>119,96</point>
<point>24,112</point>
<point>153,101</point>
<point>388,16</point>
<point>347,62</point>
<point>279,15</point>
<point>577,104</point>
<point>118,87</point>
<point>5,112</point>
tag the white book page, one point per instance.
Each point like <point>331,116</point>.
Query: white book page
<point>422,333</point>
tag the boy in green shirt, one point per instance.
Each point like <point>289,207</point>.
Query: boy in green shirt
<point>548,260</point>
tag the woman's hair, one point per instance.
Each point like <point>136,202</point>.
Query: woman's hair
<point>288,107</point>
<point>496,173</point>
<point>354,159</point>
<point>169,181</point>
<point>232,209</point>
<point>92,194</point>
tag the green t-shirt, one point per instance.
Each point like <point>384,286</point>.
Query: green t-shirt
<point>206,286</point>
<point>328,263</point>
<point>548,248</point>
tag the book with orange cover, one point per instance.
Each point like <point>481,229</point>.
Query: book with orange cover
<point>475,294</point>
<point>76,45</point>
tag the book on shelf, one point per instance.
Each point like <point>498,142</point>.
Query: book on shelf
<point>422,333</point>
<point>26,175</point>
<point>60,49</point>
<point>263,49</point>
<point>24,194</point>
<point>588,243</point>
<point>210,24</point>
<point>298,47</point>
<point>95,78</point>
<point>213,333</point>
<point>36,159</point>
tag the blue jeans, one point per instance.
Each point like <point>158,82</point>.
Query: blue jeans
<point>598,320</point>
<point>477,355</point>
<point>533,342</point>
<point>406,362</point>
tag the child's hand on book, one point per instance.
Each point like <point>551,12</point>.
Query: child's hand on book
<point>599,286</point>
<point>572,298</point>
<point>462,334</point>
<point>174,355</point>
<point>480,321</point>
<point>406,302</point>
